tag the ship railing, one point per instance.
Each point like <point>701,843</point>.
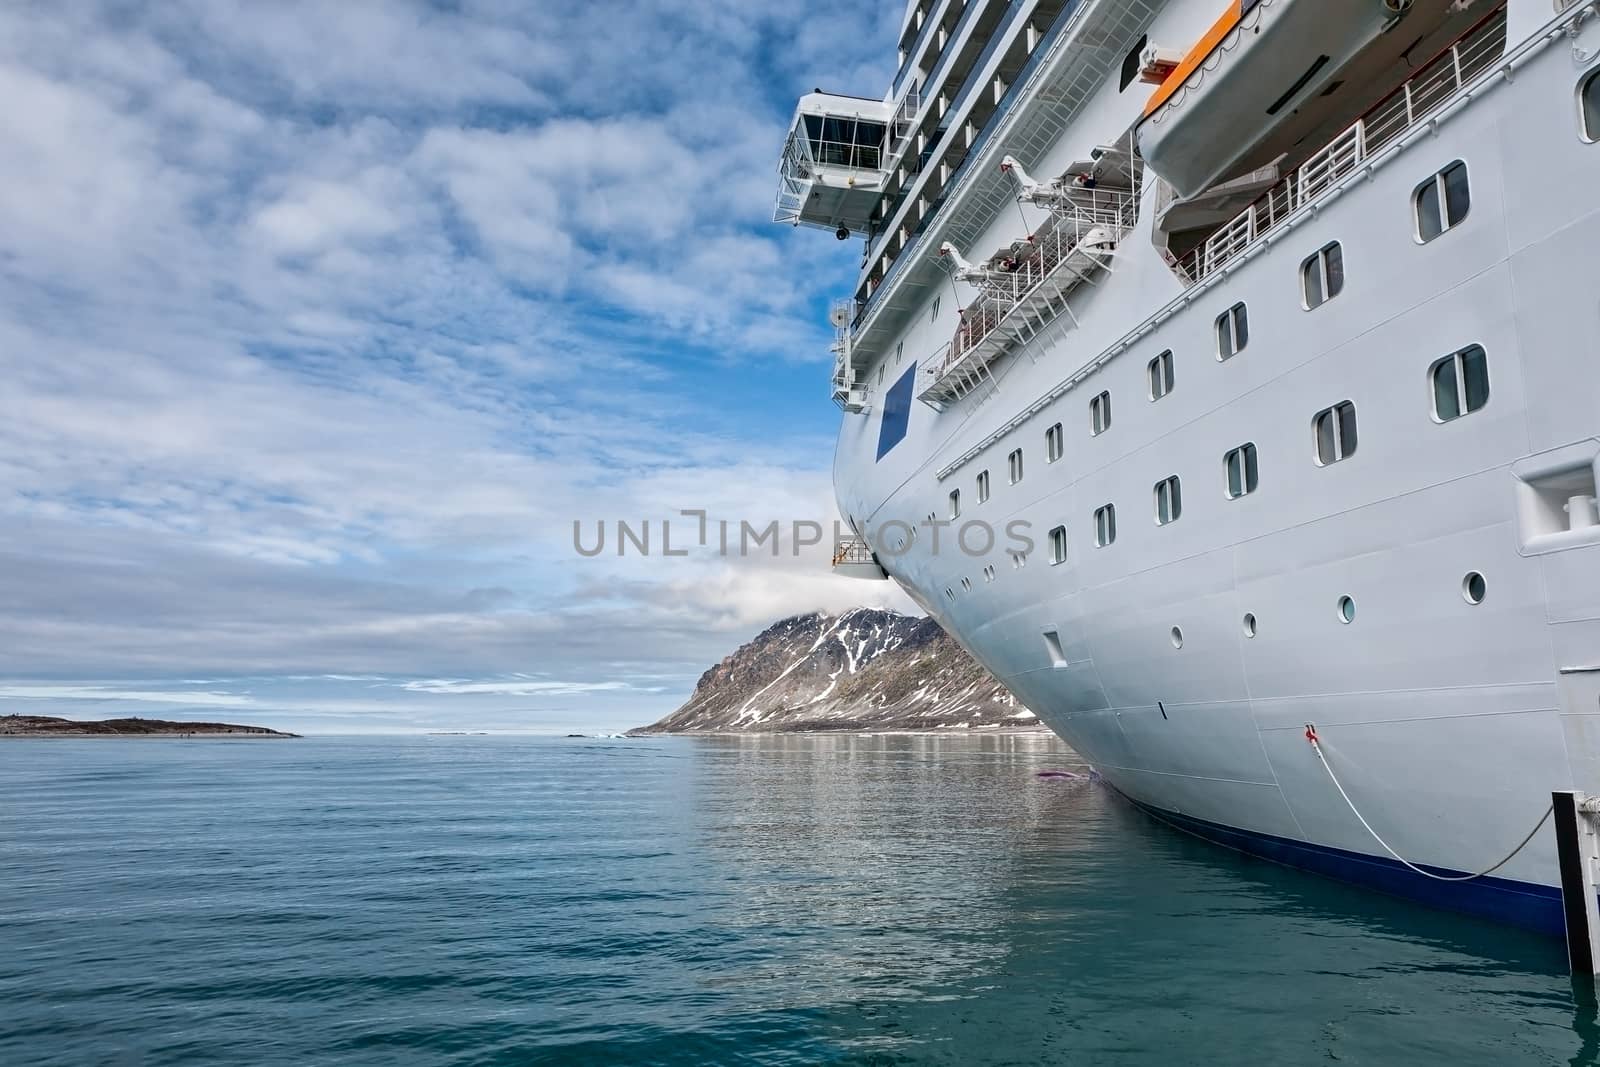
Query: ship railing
<point>904,123</point>
<point>846,392</point>
<point>851,550</point>
<point>840,151</point>
<point>935,367</point>
<point>1434,85</point>
<point>1038,268</point>
<point>843,381</point>
<point>794,180</point>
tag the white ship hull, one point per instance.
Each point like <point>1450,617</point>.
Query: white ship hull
<point>1449,722</point>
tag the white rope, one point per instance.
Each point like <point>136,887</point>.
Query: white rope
<point>1317,746</point>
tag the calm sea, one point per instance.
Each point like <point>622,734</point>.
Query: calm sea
<point>480,900</point>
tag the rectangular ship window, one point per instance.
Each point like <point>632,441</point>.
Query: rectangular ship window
<point>1100,414</point>
<point>1460,383</point>
<point>1014,464</point>
<point>1240,467</point>
<point>1441,202</point>
<point>1105,525</point>
<point>1058,545</point>
<point>1335,432</point>
<point>983,486</point>
<point>1233,331</point>
<point>1052,443</point>
<point>1169,501</point>
<point>1159,372</point>
<point>1322,276</point>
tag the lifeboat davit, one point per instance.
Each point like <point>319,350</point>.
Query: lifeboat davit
<point>1249,72</point>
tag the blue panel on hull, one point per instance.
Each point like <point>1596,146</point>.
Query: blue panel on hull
<point>896,412</point>
<point>1532,907</point>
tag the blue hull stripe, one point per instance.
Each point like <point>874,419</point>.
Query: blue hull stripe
<point>1524,904</point>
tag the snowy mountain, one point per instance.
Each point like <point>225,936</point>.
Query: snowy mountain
<point>865,669</point>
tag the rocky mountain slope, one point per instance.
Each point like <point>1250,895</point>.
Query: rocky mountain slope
<point>865,669</point>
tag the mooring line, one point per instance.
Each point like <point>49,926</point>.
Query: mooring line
<point>1316,744</point>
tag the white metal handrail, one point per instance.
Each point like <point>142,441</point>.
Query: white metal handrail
<point>805,157</point>
<point>1563,25</point>
<point>1012,282</point>
<point>849,550</point>
<point>935,367</point>
<point>844,373</point>
<point>903,125</point>
<point>1446,75</point>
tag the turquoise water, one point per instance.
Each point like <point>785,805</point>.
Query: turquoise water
<point>478,900</point>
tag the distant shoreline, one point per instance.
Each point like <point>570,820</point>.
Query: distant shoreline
<point>856,731</point>
<point>44,727</point>
<point>66,735</point>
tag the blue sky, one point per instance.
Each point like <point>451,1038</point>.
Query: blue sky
<point>323,322</point>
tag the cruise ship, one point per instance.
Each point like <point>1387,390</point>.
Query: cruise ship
<point>1225,376</point>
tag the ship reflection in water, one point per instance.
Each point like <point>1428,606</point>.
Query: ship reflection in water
<point>737,899</point>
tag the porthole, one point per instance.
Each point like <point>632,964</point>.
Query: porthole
<point>1177,637</point>
<point>1473,588</point>
<point>1249,624</point>
<point>1347,610</point>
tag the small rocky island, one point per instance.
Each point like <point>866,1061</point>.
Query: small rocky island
<point>864,670</point>
<point>50,726</point>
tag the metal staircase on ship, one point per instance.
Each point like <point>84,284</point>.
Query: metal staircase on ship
<point>848,393</point>
<point>1024,289</point>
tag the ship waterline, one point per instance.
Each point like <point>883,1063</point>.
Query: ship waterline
<point>1312,421</point>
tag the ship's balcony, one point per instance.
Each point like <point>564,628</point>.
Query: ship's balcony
<point>835,163</point>
<point>853,558</point>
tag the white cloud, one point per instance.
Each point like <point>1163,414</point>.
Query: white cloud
<point>107,694</point>
<point>313,353</point>
<point>314,215</point>
<point>515,687</point>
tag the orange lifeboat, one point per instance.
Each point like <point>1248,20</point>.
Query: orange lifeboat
<point>1259,62</point>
